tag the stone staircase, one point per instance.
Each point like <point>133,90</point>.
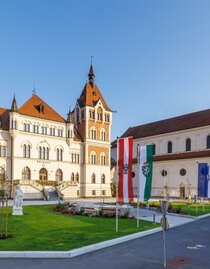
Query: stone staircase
<point>68,189</point>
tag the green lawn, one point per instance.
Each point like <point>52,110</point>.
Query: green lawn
<point>42,229</point>
<point>191,210</point>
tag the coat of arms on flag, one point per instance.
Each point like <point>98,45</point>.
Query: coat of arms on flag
<point>125,158</point>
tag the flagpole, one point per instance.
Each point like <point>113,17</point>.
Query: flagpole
<point>138,165</point>
<point>117,187</point>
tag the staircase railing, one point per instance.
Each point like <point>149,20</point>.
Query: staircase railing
<point>65,184</point>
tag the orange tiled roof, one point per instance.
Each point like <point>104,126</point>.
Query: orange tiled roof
<point>90,96</point>
<point>4,116</point>
<point>32,108</point>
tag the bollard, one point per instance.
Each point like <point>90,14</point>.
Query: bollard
<point>153,217</point>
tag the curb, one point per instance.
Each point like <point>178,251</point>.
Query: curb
<point>78,251</point>
<point>203,216</point>
<point>87,249</point>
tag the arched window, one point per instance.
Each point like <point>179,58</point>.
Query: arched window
<point>40,152</point>
<point>103,179</point>
<point>93,157</point>
<point>153,149</point>
<point>24,151</point>
<point>103,159</point>
<point>99,114</point>
<point>43,174</point>
<point>43,153</point>
<point>93,178</point>
<point>169,147</point>
<point>208,142</point>
<point>188,144</point>
<point>58,155</point>
<point>93,132</point>
<point>28,151</point>
<point>72,177</point>
<point>103,135</point>
<point>61,155</point>
<point>26,173</point>
<point>59,175</point>
<point>77,177</point>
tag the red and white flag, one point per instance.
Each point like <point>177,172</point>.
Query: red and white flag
<point>125,155</point>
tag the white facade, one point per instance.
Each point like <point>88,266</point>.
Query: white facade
<point>175,184</point>
<point>38,146</point>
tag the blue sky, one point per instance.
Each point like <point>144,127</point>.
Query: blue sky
<point>151,58</point>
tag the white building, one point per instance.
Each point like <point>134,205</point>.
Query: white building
<point>39,148</point>
<point>179,145</point>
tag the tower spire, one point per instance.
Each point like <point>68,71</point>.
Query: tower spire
<point>14,107</point>
<point>91,75</point>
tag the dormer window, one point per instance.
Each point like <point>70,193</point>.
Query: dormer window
<point>41,108</point>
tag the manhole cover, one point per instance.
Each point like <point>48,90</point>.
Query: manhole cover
<point>179,262</point>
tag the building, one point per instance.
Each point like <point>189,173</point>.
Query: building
<point>179,145</point>
<point>39,148</point>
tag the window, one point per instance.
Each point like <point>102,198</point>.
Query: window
<point>208,142</point>
<point>99,114</point>
<point>103,135</point>
<point>2,151</point>
<point>103,159</point>
<point>93,178</point>
<point>188,144</point>
<point>44,153</point>
<point>72,177</point>
<point>153,149</point>
<point>52,131</point>
<point>44,130</point>
<point>59,154</point>
<point>93,158</point>
<point>182,172</point>
<point>106,118</point>
<point>93,133</point>
<point>41,108</point>
<point>77,177</point>
<point>13,124</point>
<point>60,133</point>
<point>40,152</point>
<point>26,151</point>
<point>59,175</point>
<point>36,129</point>
<point>93,192</point>
<point>26,127</point>
<point>75,157</point>
<point>0,123</point>
<point>169,147</point>
<point>77,192</point>
<point>103,179</point>
<point>26,173</point>
<point>103,192</point>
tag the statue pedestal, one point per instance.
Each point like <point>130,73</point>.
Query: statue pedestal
<point>17,211</point>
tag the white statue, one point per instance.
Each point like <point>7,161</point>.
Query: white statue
<point>18,201</point>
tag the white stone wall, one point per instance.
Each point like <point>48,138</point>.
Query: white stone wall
<point>173,181</point>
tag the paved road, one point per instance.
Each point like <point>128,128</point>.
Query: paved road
<point>190,243</point>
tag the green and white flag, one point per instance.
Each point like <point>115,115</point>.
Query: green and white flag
<point>145,173</point>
